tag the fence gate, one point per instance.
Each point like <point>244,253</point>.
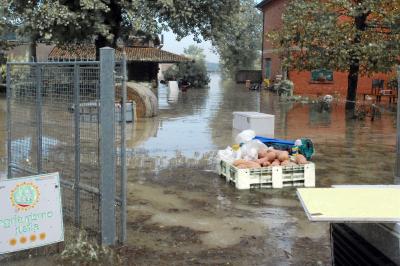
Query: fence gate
<point>67,117</point>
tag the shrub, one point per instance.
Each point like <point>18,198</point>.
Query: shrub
<point>194,72</point>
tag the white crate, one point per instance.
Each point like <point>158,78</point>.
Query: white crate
<point>262,124</point>
<point>268,177</point>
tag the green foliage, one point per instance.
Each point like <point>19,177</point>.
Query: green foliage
<point>2,74</point>
<point>361,37</point>
<point>4,26</point>
<point>194,72</point>
<point>196,53</point>
<point>104,22</point>
<point>239,42</point>
<point>171,73</point>
<point>325,34</point>
<point>393,83</point>
<point>2,22</point>
<point>15,72</point>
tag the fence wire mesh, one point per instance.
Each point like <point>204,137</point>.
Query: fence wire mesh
<point>54,126</point>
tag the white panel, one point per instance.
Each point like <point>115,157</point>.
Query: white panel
<point>351,204</point>
<point>31,212</point>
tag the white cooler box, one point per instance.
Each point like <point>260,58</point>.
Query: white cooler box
<point>262,124</point>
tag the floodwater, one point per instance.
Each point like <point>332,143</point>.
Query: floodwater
<point>180,212</point>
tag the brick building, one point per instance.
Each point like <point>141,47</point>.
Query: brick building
<point>305,82</point>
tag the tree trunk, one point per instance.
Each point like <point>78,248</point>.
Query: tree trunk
<point>113,18</point>
<point>354,69</point>
<point>352,82</point>
<point>101,42</point>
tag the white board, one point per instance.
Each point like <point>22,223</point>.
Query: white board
<point>351,204</point>
<point>31,212</point>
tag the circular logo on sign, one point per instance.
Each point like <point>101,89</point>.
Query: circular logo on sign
<point>24,196</point>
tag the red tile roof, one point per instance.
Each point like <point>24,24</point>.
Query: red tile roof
<point>138,54</point>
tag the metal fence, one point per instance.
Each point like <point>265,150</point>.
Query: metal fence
<point>66,117</point>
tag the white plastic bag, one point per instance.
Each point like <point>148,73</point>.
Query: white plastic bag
<point>250,149</point>
<point>249,153</point>
<point>227,155</point>
<point>245,136</point>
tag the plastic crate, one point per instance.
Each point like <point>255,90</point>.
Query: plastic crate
<point>268,177</point>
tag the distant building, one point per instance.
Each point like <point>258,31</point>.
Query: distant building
<point>143,57</point>
<point>319,81</point>
<point>143,54</point>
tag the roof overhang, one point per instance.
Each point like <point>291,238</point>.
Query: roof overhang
<point>133,54</point>
<point>263,3</point>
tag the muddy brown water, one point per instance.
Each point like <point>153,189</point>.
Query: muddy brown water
<point>180,212</point>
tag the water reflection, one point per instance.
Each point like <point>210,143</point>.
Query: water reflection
<point>197,122</point>
<point>173,92</point>
<point>22,148</point>
<point>319,117</point>
<point>178,103</point>
<point>181,123</point>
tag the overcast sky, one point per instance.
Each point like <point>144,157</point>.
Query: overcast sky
<point>174,46</point>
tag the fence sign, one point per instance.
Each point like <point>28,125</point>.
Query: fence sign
<point>31,212</point>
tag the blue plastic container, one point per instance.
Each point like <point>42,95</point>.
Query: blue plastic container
<point>277,141</point>
<point>307,148</point>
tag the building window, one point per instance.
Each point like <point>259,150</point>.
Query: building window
<point>322,75</point>
<point>267,65</point>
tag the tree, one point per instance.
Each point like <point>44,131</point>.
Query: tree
<point>104,22</point>
<point>239,42</point>
<point>2,31</point>
<point>357,36</point>
<point>196,53</point>
<point>194,72</point>
<point>4,28</point>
